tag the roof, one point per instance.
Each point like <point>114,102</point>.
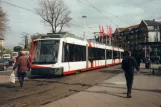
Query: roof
<point>134,26</point>
<point>60,35</point>
<point>152,22</point>
<point>128,28</point>
<point>121,29</point>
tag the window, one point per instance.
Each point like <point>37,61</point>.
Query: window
<point>150,27</point>
<point>46,51</point>
<point>132,31</point>
<point>96,53</point>
<point>72,53</point>
<point>122,54</point>
<point>108,54</point>
<point>114,54</point>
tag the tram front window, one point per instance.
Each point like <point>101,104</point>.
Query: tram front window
<point>46,51</point>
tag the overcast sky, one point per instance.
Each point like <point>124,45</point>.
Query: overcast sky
<point>121,13</point>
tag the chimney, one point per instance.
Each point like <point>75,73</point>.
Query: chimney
<point>153,20</point>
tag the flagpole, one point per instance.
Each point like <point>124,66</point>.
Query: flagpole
<point>110,35</point>
<point>106,34</point>
<point>102,34</point>
<point>106,39</point>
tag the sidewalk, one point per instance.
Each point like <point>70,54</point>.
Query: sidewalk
<point>111,93</point>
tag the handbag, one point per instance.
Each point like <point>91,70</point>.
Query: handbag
<point>12,77</point>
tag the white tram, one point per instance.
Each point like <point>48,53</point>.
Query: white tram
<point>62,54</point>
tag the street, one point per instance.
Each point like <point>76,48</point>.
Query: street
<point>6,72</point>
<point>38,91</point>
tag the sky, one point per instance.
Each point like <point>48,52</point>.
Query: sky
<point>114,13</point>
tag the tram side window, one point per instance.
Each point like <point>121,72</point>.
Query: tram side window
<point>96,54</point>
<point>108,54</point>
<point>122,54</point>
<point>80,54</point>
<point>91,53</point>
<point>101,54</point>
<point>65,52</point>
<point>118,55</point>
<point>72,53</point>
<point>114,54</point>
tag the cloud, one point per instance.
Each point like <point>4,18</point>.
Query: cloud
<point>124,13</point>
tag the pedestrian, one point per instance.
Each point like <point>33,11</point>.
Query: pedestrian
<point>23,65</point>
<point>128,65</point>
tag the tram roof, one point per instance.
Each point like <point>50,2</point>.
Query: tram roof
<point>61,35</point>
<point>66,34</point>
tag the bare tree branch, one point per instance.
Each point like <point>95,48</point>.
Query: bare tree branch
<point>55,13</point>
<point>3,23</point>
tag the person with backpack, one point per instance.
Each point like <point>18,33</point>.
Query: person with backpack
<point>128,65</point>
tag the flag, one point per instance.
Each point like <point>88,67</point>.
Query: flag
<point>107,30</point>
<point>110,31</point>
<point>107,34</point>
<point>100,31</point>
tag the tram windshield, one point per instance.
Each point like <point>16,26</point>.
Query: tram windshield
<point>46,51</point>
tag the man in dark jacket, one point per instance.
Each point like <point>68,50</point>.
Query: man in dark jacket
<point>128,65</point>
<point>23,65</point>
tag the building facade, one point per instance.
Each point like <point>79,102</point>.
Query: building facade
<point>140,39</point>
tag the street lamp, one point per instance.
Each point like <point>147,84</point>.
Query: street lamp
<point>84,17</point>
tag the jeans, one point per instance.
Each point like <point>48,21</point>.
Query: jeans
<point>129,81</point>
<point>21,76</point>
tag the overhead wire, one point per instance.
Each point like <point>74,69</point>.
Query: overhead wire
<point>17,6</point>
<point>143,8</point>
<point>34,11</point>
<point>89,4</point>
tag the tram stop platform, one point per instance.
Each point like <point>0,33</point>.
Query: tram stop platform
<point>112,93</point>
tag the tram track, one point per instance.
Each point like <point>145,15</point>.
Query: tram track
<point>37,92</point>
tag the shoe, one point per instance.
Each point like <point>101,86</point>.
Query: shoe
<point>128,95</point>
<point>21,84</point>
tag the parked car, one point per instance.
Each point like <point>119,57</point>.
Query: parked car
<point>4,64</point>
<point>6,56</point>
<point>10,61</point>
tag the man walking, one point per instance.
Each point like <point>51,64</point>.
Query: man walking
<point>128,65</point>
<point>23,65</point>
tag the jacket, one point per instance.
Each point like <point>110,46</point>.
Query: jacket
<point>22,63</point>
<point>128,64</point>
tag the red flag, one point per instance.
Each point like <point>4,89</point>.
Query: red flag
<point>110,31</point>
<point>100,31</point>
<point>107,30</point>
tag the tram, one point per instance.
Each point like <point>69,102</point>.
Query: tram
<point>63,54</point>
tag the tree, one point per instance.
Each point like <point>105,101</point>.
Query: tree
<point>33,37</point>
<point>25,41</point>
<point>3,23</point>
<point>17,48</point>
<point>8,51</point>
<point>55,13</point>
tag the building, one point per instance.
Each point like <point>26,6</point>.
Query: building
<point>143,38</point>
<point>126,37</point>
<point>150,35</point>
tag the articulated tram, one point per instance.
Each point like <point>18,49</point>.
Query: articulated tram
<point>63,54</point>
